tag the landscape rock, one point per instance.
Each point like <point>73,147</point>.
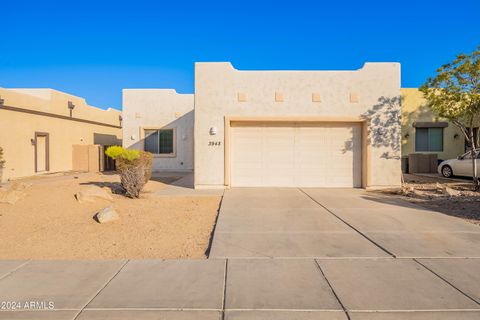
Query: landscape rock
<point>107,214</point>
<point>418,193</point>
<point>93,193</point>
<point>451,192</point>
<point>13,192</point>
<point>407,190</point>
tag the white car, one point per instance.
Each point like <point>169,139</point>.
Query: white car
<point>462,166</point>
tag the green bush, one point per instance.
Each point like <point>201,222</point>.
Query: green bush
<point>117,152</point>
<point>135,168</point>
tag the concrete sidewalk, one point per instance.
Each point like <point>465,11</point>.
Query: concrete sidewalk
<point>277,254</point>
<point>383,288</point>
<point>184,187</point>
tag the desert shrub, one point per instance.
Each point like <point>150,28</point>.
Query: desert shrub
<point>135,168</point>
<point>146,159</point>
<point>2,161</point>
<point>117,152</point>
<point>132,179</point>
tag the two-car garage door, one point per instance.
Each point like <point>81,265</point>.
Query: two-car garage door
<point>295,154</point>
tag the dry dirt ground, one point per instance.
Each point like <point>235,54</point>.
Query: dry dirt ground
<point>49,223</point>
<point>428,191</point>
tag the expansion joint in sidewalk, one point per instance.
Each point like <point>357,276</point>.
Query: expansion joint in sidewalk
<point>348,224</point>
<point>448,282</point>
<point>103,287</point>
<point>224,294</point>
<point>331,288</point>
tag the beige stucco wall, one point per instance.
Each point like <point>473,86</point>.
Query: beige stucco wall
<point>17,128</point>
<point>160,109</point>
<point>217,88</point>
<point>414,109</point>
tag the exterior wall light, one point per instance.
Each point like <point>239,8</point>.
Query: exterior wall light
<point>71,106</point>
<point>407,135</point>
<point>455,136</point>
<point>213,131</point>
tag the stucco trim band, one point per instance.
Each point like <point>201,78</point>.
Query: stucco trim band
<point>52,115</point>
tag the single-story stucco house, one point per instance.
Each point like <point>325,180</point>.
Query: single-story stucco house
<point>424,132</point>
<point>45,131</point>
<point>274,128</point>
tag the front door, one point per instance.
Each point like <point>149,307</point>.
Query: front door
<point>42,152</point>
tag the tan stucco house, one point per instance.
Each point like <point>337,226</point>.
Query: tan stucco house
<point>424,132</point>
<point>39,129</point>
<point>274,128</point>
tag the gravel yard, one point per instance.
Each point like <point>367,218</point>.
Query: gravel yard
<point>429,192</point>
<point>49,223</point>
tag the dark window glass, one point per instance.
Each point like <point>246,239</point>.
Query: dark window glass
<point>429,139</point>
<point>151,141</point>
<point>159,141</point>
<point>421,139</point>
<point>435,139</point>
<point>165,141</point>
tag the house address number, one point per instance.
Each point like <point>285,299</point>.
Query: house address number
<point>214,143</point>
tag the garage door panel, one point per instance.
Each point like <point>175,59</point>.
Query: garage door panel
<point>247,162</point>
<point>294,155</point>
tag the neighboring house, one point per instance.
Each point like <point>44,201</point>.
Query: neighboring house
<point>40,127</point>
<point>424,132</point>
<point>274,128</point>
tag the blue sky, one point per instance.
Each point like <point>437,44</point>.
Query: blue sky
<point>95,48</point>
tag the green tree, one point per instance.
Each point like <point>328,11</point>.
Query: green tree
<point>454,93</point>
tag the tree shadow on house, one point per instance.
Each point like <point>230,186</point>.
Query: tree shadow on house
<point>385,129</point>
<point>181,159</point>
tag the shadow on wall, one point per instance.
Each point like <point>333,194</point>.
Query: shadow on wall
<point>106,139</point>
<point>183,141</point>
<point>385,130</point>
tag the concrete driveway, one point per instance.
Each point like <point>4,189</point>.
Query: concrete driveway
<point>327,223</point>
<point>277,254</point>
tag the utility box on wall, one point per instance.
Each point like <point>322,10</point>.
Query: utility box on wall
<point>422,163</point>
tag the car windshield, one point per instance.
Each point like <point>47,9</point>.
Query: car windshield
<point>467,155</point>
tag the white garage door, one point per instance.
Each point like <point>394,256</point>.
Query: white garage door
<point>296,155</point>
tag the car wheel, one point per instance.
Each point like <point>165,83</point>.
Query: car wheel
<point>447,172</point>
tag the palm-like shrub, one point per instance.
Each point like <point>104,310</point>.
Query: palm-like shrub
<point>135,168</point>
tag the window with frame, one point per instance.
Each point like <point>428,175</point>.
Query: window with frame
<point>160,141</point>
<point>429,139</point>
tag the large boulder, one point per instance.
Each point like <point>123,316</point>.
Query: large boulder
<point>93,193</point>
<point>13,192</point>
<point>107,214</point>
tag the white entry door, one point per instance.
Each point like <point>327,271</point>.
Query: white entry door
<point>296,155</point>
